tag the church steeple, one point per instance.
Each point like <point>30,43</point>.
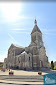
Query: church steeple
<point>35,22</point>
<point>36,28</point>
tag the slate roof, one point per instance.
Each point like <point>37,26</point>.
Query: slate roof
<point>36,28</point>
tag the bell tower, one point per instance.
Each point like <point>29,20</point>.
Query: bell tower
<point>37,49</point>
<point>36,35</point>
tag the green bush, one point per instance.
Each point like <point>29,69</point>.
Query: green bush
<point>1,65</point>
<point>54,67</point>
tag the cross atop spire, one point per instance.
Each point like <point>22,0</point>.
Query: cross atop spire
<point>35,22</point>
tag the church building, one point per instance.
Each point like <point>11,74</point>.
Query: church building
<point>31,57</point>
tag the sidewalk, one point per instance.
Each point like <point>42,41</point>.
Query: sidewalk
<point>21,72</point>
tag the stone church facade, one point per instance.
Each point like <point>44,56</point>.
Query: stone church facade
<point>31,57</point>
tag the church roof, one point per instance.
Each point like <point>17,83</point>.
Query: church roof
<point>36,28</point>
<point>24,52</point>
<point>18,46</point>
<point>13,45</point>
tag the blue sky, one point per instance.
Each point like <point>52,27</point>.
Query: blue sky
<point>17,22</point>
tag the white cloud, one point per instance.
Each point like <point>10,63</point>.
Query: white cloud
<point>17,29</point>
<point>25,17</point>
<point>49,31</point>
<point>22,32</point>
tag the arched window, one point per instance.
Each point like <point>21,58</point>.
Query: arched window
<point>29,58</point>
<point>19,61</point>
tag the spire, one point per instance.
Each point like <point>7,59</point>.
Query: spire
<point>36,28</point>
<point>35,22</point>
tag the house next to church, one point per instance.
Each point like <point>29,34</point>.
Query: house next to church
<point>31,57</point>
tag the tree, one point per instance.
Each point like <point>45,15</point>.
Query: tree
<point>52,65</point>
